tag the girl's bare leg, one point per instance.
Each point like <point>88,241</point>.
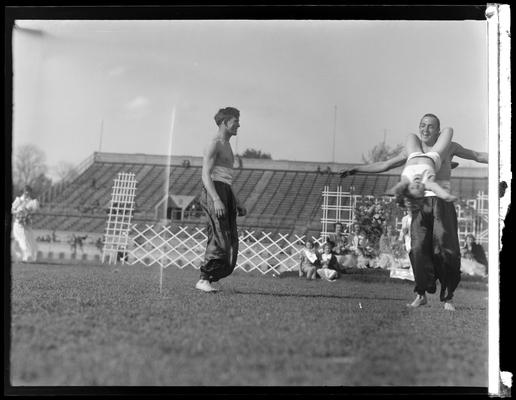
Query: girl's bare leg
<point>443,141</point>
<point>413,144</point>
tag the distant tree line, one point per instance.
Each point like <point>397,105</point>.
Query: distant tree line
<point>253,153</point>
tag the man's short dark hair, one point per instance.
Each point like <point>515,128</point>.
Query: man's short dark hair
<point>225,114</point>
<point>433,116</point>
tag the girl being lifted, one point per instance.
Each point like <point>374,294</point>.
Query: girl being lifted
<point>421,168</point>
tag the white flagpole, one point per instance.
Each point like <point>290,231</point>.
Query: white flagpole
<point>169,155</point>
<point>167,186</point>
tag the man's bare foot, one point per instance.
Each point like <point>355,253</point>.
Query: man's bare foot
<point>419,301</point>
<point>448,305</point>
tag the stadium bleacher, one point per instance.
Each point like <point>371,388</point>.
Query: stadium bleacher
<point>280,195</point>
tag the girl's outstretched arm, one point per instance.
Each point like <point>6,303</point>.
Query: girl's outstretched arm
<point>379,166</point>
<point>439,191</point>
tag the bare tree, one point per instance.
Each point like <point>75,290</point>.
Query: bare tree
<point>65,170</point>
<point>382,152</point>
<point>29,167</point>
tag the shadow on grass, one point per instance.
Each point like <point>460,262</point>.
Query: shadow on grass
<point>328,296</point>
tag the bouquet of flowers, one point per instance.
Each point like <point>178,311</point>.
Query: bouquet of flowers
<point>23,216</point>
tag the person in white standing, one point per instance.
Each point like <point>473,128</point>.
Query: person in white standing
<point>22,209</point>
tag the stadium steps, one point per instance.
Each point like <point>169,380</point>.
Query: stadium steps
<point>142,174</point>
<point>243,183</point>
<point>155,184</point>
<point>193,186</point>
<point>314,200</point>
<point>280,196</point>
<point>105,194</point>
<point>290,201</point>
<point>260,207</point>
<point>257,192</point>
<point>286,201</point>
<point>391,181</point>
<point>73,198</point>
<point>64,195</point>
<point>368,184</point>
<point>146,186</point>
<point>303,196</point>
<point>181,179</point>
<point>252,187</point>
<point>105,184</point>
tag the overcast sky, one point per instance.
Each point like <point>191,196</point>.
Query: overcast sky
<point>76,79</point>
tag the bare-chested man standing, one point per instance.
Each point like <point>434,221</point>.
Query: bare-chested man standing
<point>219,202</point>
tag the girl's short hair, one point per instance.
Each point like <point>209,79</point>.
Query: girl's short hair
<point>401,192</point>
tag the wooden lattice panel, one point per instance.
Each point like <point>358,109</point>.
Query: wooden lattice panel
<point>118,224</point>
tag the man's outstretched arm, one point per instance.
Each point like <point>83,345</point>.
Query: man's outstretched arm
<point>462,152</point>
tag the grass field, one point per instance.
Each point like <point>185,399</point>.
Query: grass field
<point>104,325</point>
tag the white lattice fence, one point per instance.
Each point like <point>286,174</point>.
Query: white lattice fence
<point>263,252</point>
<point>160,245</point>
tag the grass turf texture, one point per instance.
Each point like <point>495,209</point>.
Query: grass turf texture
<point>109,325</point>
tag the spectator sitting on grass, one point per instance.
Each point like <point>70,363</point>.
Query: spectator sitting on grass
<point>364,253</point>
<point>329,266</point>
<point>354,237</point>
<point>309,261</point>
<point>474,260</point>
<point>387,243</point>
<point>339,239</point>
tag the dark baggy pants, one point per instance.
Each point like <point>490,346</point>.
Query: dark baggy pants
<point>222,246</point>
<point>435,250</point>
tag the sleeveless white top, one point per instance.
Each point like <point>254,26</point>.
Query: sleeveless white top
<point>222,174</point>
<point>432,155</point>
<point>425,170</point>
<point>411,171</point>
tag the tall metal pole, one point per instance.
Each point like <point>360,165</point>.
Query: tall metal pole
<point>169,156</point>
<point>101,133</point>
<point>334,131</point>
